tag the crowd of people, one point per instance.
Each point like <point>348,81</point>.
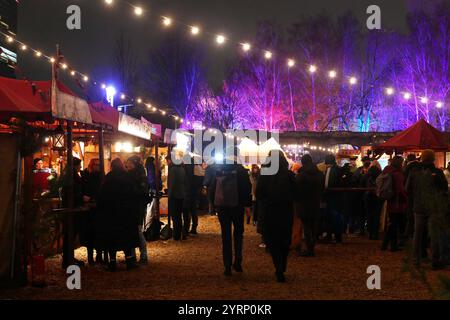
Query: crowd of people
<point>331,201</point>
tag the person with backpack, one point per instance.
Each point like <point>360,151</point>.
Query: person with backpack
<point>391,187</point>
<point>278,192</point>
<point>232,196</point>
<point>428,187</point>
<point>310,183</point>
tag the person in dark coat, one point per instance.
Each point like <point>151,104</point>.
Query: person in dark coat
<point>190,202</point>
<point>310,183</point>
<point>278,192</point>
<point>372,203</point>
<point>92,180</point>
<point>412,163</point>
<point>333,199</point>
<point>176,183</point>
<point>232,196</point>
<point>117,218</point>
<point>153,185</point>
<point>208,180</point>
<point>396,206</point>
<point>359,212</point>
<point>428,187</point>
<point>138,176</point>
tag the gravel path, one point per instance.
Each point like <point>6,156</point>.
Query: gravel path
<point>193,269</point>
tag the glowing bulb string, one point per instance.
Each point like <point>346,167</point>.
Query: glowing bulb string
<point>267,54</point>
<point>84,77</point>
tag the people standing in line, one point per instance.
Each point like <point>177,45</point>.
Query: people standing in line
<point>254,176</point>
<point>358,197</point>
<point>141,189</point>
<point>333,200</point>
<point>116,219</point>
<point>154,184</point>
<point>396,205</point>
<point>210,176</point>
<point>348,212</point>
<point>261,207</point>
<point>412,163</point>
<point>278,192</point>
<point>310,185</point>
<point>447,174</point>
<point>176,184</point>
<point>232,196</point>
<point>372,203</point>
<point>92,181</point>
<point>190,202</point>
<point>428,187</point>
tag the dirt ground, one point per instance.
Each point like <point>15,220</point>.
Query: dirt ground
<point>192,269</point>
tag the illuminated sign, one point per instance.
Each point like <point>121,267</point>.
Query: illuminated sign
<point>8,56</point>
<point>134,127</point>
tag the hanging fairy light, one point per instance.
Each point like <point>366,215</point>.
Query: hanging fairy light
<point>72,73</point>
<point>138,11</point>
<point>220,39</point>
<point>139,100</point>
<point>86,78</point>
<point>24,47</point>
<point>52,60</point>
<point>291,63</point>
<point>163,112</point>
<point>268,55</point>
<point>439,105</point>
<point>389,91</point>
<point>195,30</point>
<point>38,54</point>
<point>407,96</point>
<point>9,39</point>
<point>312,68</point>
<point>167,22</point>
<point>353,80</point>
<point>332,74</point>
<point>424,100</point>
<point>109,2</point>
<point>246,46</point>
<point>103,86</point>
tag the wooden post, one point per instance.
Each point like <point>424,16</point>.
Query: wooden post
<point>68,250</point>
<point>157,175</point>
<point>101,152</point>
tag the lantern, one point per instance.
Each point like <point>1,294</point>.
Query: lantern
<point>59,139</point>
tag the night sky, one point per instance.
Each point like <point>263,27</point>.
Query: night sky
<point>42,24</point>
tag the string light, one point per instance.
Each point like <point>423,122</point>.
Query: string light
<point>407,96</point>
<point>139,100</point>
<point>9,39</point>
<point>23,47</point>
<point>220,39</point>
<point>122,96</point>
<point>268,55</point>
<point>195,30</point>
<point>167,21</point>
<point>103,86</point>
<point>154,109</point>
<point>38,54</point>
<point>332,74</point>
<point>163,112</point>
<point>389,91</point>
<point>312,68</point>
<point>291,63</point>
<point>72,73</point>
<point>246,46</point>
<point>86,78</point>
<point>439,104</point>
<point>109,2</point>
<point>424,100</point>
<point>52,60</point>
<point>353,80</point>
<point>138,11</point>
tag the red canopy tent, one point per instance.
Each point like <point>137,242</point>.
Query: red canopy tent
<point>418,137</point>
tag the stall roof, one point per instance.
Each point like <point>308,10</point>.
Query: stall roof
<point>418,137</point>
<point>104,114</point>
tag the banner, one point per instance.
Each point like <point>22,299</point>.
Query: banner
<point>134,127</point>
<point>156,128</point>
<point>69,107</point>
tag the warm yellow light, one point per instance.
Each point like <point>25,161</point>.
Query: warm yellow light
<point>86,78</point>
<point>389,91</point>
<point>220,39</point>
<point>268,55</point>
<point>424,100</point>
<point>122,96</point>
<point>312,68</point>
<point>163,112</point>
<point>72,73</point>
<point>246,46</point>
<point>154,109</point>
<point>38,53</point>
<point>439,104</point>
<point>291,63</point>
<point>149,105</point>
<point>195,30</point>
<point>52,60</point>
<point>138,11</point>
<point>407,96</point>
<point>332,74</point>
<point>181,120</point>
<point>109,2</point>
<point>176,117</point>
<point>139,100</point>
<point>167,21</point>
<point>24,47</point>
<point>353,80</point>
<point>9,39</point>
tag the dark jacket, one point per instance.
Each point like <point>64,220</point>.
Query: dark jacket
<point>243,182</point>
<point>140,190</point>
<point>310,185</point>
<point>116,220</point>
<point>151,177</point>
<point>189,185</point>
<point>399,202</point>
<point>176,182</point>
<point>77,190</point>
<point>427,186</point>
<point>333,198</point>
